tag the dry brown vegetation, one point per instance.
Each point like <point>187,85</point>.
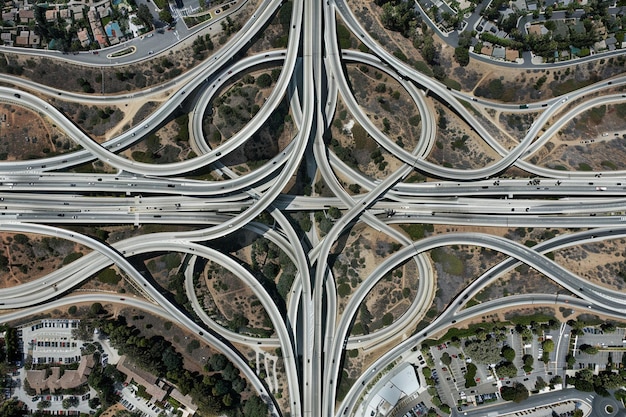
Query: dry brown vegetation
<point>25,134</point>
<point>26,257</point>
<point>457,145</point>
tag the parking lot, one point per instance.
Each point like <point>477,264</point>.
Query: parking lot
<point>596,337</point>
<point>50,341</point>
<point>132,402</point>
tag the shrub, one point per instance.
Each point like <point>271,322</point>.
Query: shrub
<point>264,80</point>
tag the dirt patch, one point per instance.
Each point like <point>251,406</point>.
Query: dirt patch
<point>168,144</point>
<point>26,257</point>
<point>25,134</point>
<point>456,267</point>
<point>594,140</point>
<point>113,410</point>
<point>235,107</point>
<point>231,302</point>
<point>387,104</point>
<point>600,262</point>
<point>275,34</point>
<point>354,257</point>
<point>354,146</point>
<point>457,145</point>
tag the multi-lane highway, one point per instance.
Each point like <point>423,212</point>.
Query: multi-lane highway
<point>40,196</point>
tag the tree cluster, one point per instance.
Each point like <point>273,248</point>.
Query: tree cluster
<point>399,16</point>
<point>53,30</point>
<point>217,392</point>
<point>486,352</point>
<point>516,393</point>
<point>201,45</point>
<point>506,369</point>
<point>145,16</point>
<point>10,351</point>
<point>588,349</point>
<point>585,380</point>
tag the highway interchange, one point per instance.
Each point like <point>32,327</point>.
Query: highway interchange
<point>38,198</point>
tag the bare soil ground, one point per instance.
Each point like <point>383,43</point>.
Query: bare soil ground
<point>357,255</point>
<point>601,263</point>
<point>592,141</point>
<point>515,124</point>
<point>31,256</point>
<point>383,98</point>
<point>164,267</point>
<point>351,143</point>
<point>456,267</point>
<point>475,261</point>
<point>168,144</point>
<point>231,302</point>
<point>25,134</point>
<point>275,34</point>
<point>491,120</point>
<point>457,145</point>
<point>234,108</point>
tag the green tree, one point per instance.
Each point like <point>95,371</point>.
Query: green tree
<point>608,327</point>
<point>264,80</point>
<point>506,369</point>
<point>429,52</point>
<point>548,345</point>
<point>556,380</point>
<point>461,55</point>
<point>96,308</point>
<point>193,345</point>
<point>12,408</point>
<point>145,16</point>
<point>4,262</point>
<point>172,360</point>
<point>517,393</point>
<point>540,383</point>
<point>588,349</point>
<point>20,239</point>
<point>334,212</point>
<point>166,16</point>
<point>508,353</point>
<point>43,404</point>
<point>528,363</point>
<point>470,374</point>
<point>485,352</point>
<point>254,407</point>
<point>217,362</point>
<point>446,359</point>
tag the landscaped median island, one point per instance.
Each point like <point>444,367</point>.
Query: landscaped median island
<point>125,51</point>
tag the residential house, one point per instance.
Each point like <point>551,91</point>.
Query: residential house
<point>83,37</point>
<point>96,27</point>
<point>26,15</point>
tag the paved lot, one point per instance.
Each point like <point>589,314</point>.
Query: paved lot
<point>50,341</point>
